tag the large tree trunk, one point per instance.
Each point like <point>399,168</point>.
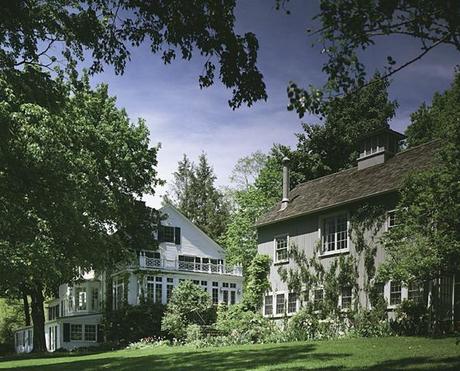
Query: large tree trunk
<point>25,302</point>
<point>38,319</point>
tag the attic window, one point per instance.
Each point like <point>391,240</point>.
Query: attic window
<point>169,234</point>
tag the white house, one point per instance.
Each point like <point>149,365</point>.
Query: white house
<point>185,253</point>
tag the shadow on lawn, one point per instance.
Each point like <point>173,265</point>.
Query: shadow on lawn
<point>293,357</point>
<point>203,360</point>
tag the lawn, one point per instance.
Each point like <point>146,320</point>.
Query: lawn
<point>345,354</point>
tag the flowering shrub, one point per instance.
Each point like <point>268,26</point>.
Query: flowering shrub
<point>149,342</point>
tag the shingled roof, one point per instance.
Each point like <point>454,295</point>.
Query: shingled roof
<point>352,184</point>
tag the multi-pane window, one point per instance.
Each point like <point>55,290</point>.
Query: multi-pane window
<point>335,233</point>
<point>204,285</point>
<point>268,307</point>
<point>215,296</point>
<point>76,332</point>
<point>169,291</point>
<point>233,285</point>
<point>395,292</point>
<point>279,303</point>
<point>225,296</point>
<point>346,297</point>
<point>281,248</point>
<point>169,234</point>
<point>80,298</point>
<point>90,332</point>
<point>158,289</point>
<point>414,292</point>
<point>391,219</point>
<point>318,296</point>
<point>232,297</point>
<point>150,290</point>
<point>224,284</point>
<point>292,302</point>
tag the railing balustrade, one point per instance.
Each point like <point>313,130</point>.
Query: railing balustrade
<point>178,265</point>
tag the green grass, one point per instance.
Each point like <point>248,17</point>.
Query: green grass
<point>345,354</point>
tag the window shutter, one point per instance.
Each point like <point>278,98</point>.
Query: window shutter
<point>161,234</point>
<point>177,236</point>
<point>100,334</point>
<point>66,332</point>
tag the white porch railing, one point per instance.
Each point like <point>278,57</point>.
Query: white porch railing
<point>176,265</point>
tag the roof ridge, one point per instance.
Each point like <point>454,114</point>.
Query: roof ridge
<point>354,167</point>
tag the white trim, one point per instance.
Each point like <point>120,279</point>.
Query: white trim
<point>387,219</point>
<point>275,261</point>
<point>321,219</point>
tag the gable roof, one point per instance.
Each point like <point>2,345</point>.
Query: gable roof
<point>171,207</point>
<point>352,184</point>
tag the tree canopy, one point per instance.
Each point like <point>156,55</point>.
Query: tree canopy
<point>196,196</point>
<point>346,28</point>
<point>61,33</point>
<point>71,181</point>
<point>429,209</point>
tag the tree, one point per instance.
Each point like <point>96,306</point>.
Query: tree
<point>429,209</point>
<point>72,175</point>
<point>325,148</point>
<point>32,32</point>
<point>247,169</point>
<point>196,196</point>
<point>189,305</point>
<point>429,122</point>
<point>347,27</point>
<point>257,283</point>
<point>240,238</point>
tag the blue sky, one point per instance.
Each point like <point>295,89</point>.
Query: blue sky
<point>185,119</point>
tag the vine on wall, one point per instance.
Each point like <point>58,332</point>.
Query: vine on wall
<point>310,273</point>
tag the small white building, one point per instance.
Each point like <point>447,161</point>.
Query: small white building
<point>185,253</point>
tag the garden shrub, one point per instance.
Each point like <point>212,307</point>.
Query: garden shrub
<point>189,304</point>
<point>372,322</point>
<point>194,333</point>
<point>242,325</point>
<point>411,318</point>
<point>133,322</point>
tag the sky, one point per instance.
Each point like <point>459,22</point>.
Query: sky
<point>187,119</point>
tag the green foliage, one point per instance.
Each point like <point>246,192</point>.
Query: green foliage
<point>188,305</point>
<point>11,317</point>
<point>325,148</point>
<point>65,32</point>
<point>429,208</point>
<point>193,333</point>
<point>240,239</point>
<point>412,318</point>
<point>133,322</point>
<point>243,325</point>
<point>428,122</point>
<point>247,169</point>
<point>348,27</point>
<point>71,178</point>
<point>257,283</point>
<point>196,196</point>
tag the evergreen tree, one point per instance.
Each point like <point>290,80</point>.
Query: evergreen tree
<point>197,197</point>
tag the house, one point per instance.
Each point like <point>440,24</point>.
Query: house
<point>185,253</point>
<point>315,219</point>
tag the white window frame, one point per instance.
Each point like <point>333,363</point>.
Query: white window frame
<point>271,305</point>
<point>296,303</point>
<point>95,332</point>
<point>81,332</point>
<point>275,255</point>
<point>279,293</point>
<point>321,220</point>
<point>393,305</point>
<point>341,298</point>
<point>387,224</point>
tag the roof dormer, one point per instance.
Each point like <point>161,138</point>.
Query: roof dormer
<point>377,147</point>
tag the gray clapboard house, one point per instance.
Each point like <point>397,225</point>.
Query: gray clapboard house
<point>315,216</point>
